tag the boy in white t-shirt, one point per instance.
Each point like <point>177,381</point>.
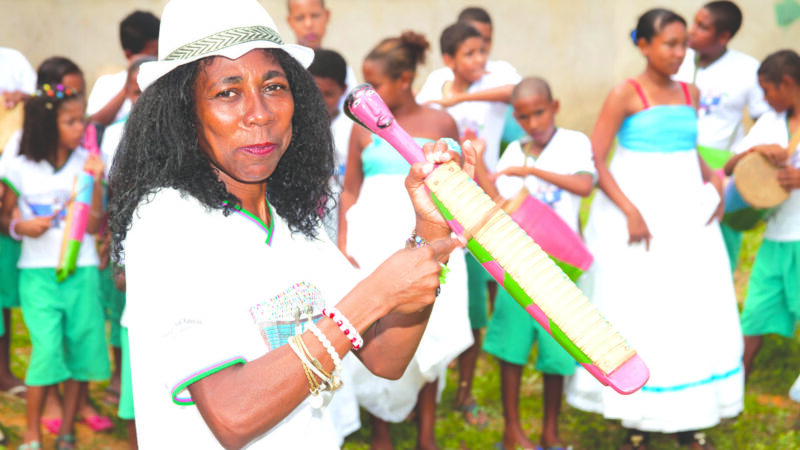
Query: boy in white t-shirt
<point>138,33</point>
<point>728,85</point>
<point>555,165</point>
<point>475,93</point>
<point>773,295</point>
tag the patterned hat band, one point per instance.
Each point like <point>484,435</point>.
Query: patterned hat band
<point>224,39</point>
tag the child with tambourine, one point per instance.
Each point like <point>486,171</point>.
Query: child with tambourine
<point>773,295</point>
<point>64,319</point>
<point>554,165</point>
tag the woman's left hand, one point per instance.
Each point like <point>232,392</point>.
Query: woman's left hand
<point>430,223</point>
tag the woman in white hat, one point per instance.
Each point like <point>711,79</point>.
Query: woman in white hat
<point>217,192</point>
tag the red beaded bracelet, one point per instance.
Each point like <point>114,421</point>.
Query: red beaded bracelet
<point>347,328</point>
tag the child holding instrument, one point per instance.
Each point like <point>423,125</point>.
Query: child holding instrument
<point>660,273</point>
<point>478,101</point>
<point>64,319</point>
<point>727,82</point>
<point>773,303</point>
<point>554,165</point>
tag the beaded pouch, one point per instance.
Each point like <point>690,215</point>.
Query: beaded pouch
<point>285,314</point>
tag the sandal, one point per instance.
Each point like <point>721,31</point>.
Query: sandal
<point>52,425</point>
<point>111,396</point>
<point>473,415</point>
<point>695,437</point>
<point>636,439</point>
<point>98,423</point>
<point>18,391</point>
<point>65,442</point>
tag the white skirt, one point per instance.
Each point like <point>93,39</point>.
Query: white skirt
<point>675,304</point>
<point>377,226</point>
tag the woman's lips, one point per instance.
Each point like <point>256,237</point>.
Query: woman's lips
<point>258,149</point>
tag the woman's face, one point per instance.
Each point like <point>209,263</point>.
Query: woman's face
<point>666,50</point>
<point>70,123</point>
<point>388,88</point>
<point>244,115</point>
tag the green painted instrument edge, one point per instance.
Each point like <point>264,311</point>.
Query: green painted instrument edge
<point>514,290</point>
<point>72,251</point>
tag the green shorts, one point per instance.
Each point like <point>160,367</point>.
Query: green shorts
<point>126,387</point>
<point>733,243</point>
<point>512,333</point>
<point>477,277</point>
<point>113,304</point>
<point>9,274</point>
<point>773,294</point>
<point>66,327</point>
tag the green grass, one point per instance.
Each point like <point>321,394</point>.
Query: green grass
<point>770,420</point>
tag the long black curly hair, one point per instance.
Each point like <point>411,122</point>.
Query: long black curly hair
<point>160,149</point>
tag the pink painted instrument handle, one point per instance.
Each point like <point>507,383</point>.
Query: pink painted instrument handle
<point>90,139</point>
<point>364,106</point>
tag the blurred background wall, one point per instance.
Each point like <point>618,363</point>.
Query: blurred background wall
<point>581,46</point>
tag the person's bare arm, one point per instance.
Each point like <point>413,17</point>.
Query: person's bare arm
<point>615,109</point>
<point>576,183</point>
<point>351,188</point>
<point>496,94</point>
<point>106,115</point>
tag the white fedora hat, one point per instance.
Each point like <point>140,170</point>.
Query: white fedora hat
<point>195,29</point>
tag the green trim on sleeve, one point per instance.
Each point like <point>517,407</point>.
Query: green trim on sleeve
<point>11,185</point>
<point>186,401</point>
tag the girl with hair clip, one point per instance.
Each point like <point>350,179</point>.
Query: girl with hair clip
<point>52,71</point>
<point>64,319</point>
<point>661,273</point>
<point>374,213</point>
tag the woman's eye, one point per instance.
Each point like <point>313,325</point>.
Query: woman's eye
<point>225,94</point>
<point>274,87</point>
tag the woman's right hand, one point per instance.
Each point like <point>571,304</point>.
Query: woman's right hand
<point>637,228</point>
<point>34,227</point>
<point>409,278</point>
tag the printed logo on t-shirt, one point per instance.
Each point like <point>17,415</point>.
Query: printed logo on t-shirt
<point>548,193</point>
<point>48,206</point>
<point>287,313</point>
<point>709,100</point>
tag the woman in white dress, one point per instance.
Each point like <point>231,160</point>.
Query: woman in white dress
<point>660,272</point>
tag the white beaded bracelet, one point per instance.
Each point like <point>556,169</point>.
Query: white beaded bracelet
<point>347,328</point>
<point>336,379</point>
<point>11,231</point>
